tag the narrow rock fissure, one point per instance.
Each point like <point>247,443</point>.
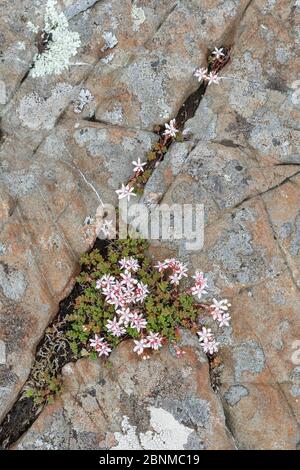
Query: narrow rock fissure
<point>80,7</point>
<point>288,179</point>
<point>54,348</point>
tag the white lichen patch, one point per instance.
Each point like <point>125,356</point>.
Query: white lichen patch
<point>36,112</point>
<point>165,433</point>
<point>127,439</point>
<point>110,41</point>
<point>115,116</point>
<point>62,44</point>
<point>138,17</point>
<point>84,98</point>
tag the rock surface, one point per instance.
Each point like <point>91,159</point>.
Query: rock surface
<point>242,163</point>
<point>160,403</point>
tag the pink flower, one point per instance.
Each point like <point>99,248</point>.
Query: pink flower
<point>170,263</point>
<point>171,130</point>
<point>199,278</point>
<point>138,322</point>
<point>138,166</point>
<point>104,350</point>
<point>127,279</point>
<point>217,311</point>
<point>114,327</point>
<point>113,292</point>
<point>224,319</point>
<point>160,266</point>
<point>129,264</point>
<point>210,347</point>
<point>105,281</point>
<point>205,335</point>
<point>213,78</point>
<point>101,346</point>
<point>198,290</point>
<point>221,304</point>
<point>218,53</point>
<point>216,314</point>
<point>180,269</point>
<point>125,316</point>
<point>154,340</point>
<point>141,292</point>
<point>200,284</point>
<point>174,279</point>
<point>200,74</point>
<point>117,300</point>
<point>125,191</point>
<point>129,295</point>
<point>140,346</point>
<point>96,341</point>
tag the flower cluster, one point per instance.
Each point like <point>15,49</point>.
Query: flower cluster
<point>139,175</point>
<point>128,190</point>
<point>219,313</point>
<point>200,284</point>
<point>153,341</point>
<point>211,77</point>
<point>127,295</point>
<point>100,345</point>
<point>208,343</point>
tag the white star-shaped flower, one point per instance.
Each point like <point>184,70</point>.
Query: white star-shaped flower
<point>171,130</point>
<point>201,74</point>
<point>218,53</point>
<point>213,78</point>
<point>138,166</point>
